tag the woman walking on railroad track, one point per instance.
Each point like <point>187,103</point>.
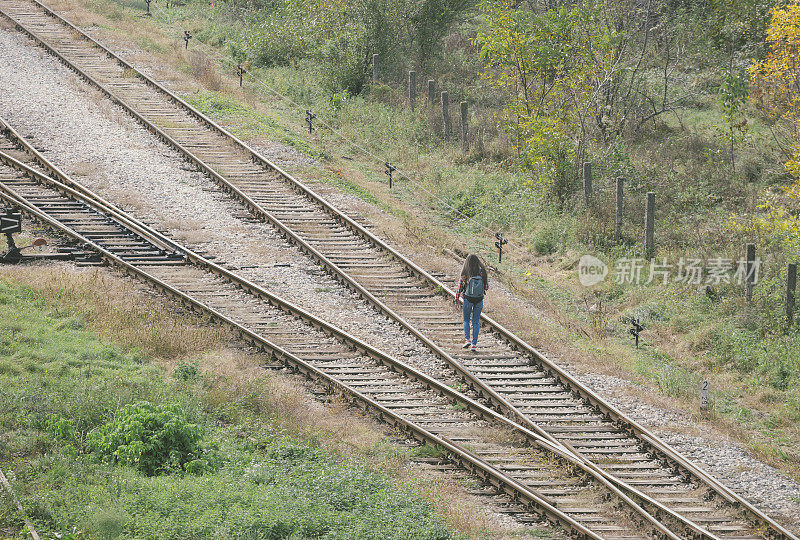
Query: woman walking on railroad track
<point>473,284</point>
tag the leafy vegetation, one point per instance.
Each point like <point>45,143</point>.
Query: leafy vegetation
<point>153,439</point>
<point>67,397</point>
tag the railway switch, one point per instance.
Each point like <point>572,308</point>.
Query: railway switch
<point>10,223</point>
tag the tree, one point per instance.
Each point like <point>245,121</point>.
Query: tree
<point>554,64</point>
<point>776,81</point>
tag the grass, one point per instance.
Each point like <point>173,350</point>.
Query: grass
<point>246,123</point>
<point>56,364</point>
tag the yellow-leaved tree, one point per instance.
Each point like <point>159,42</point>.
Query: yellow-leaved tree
<point>776,90</point>
<point>776,80</point>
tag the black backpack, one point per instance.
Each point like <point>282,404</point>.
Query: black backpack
<point>475,288</point>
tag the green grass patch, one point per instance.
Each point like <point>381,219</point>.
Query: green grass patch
<point>62,387</point>
<point>245,122</point>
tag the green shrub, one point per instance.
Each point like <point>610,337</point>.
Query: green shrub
<point>186,371</point>
<point>60,428</point>
<point>549,239</point>
<point>154,439</point>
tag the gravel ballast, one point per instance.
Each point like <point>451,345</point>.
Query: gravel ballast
<point>101,146</point>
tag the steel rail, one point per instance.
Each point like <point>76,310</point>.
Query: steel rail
<point>565,378</point>
<point>535,433</point>
<point>612,483</point>
<point>339,274</point>
<point>467,458</point>
<point>76,190</point>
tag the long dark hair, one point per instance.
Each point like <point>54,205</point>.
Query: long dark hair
<point>472,267</point>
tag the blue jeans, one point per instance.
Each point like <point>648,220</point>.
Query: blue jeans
<point>473,312</point>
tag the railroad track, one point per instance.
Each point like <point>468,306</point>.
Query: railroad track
<point>512,376</point>
<point>545,480</point>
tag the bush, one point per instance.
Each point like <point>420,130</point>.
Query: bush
<point>551,237</point>
<point>154,439</point>
<point>186,371</point>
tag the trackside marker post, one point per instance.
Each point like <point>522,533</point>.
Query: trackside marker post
<point>186,37</point>
<point>309,118</point>
<point>636,330</point>
<point>704,396</point>
<point>499,245</point>
<point>389,170</point>
<point>240,71</point>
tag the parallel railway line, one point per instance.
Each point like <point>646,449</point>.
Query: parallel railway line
<point>544,479</point>
<point>510,375</point>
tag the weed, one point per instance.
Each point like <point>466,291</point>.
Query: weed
<point>426,450</point>
<point>245,122</point>
<point>155,439</point>
<point>187,371</point>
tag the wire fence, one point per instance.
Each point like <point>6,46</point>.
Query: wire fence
<point>389,168</point>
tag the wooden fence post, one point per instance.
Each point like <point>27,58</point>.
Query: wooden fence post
<point>791,288</point>
<point>445,114</point>
<point>464,128</point>
<point>412,88</point>
<point>620,202</point>
<point>374,68</point>
<point>649,225</point>
<point>431,92</point>
<point>749,278</point>
<point>587,183</point>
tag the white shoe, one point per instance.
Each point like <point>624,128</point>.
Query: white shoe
<point>467,344</point>
<point>474,348</point>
